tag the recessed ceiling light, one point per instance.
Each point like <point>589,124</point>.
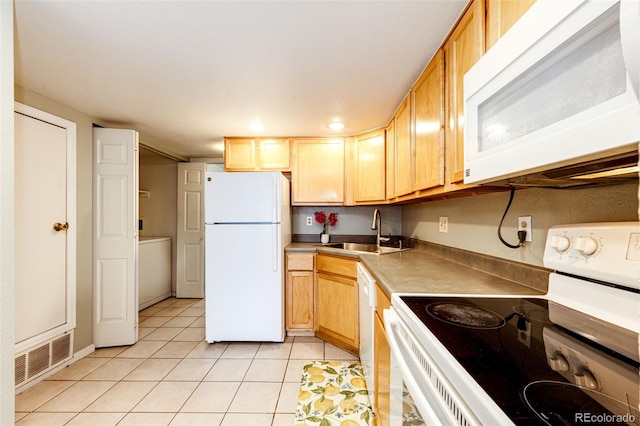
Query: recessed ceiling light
<point>257,127</point>
<point>336,125</point>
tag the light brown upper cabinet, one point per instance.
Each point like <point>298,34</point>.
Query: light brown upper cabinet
<point>274,154</point>
<point>428,130</point>
<point>239,154</point>
<point>318,171</point>
<point>369,185</point>
<point>501,15</point>
<point>462,50</point>
<point>390,140</point>
<point>403,149</point>
<point>257,154</point>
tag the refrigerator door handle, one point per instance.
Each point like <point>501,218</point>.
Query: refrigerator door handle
<point>276,201</point>
<point>275,254</point>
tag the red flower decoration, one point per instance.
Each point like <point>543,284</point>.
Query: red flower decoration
<point>322,218</point>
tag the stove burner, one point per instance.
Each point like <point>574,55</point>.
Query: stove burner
<point>465,315</point>
<point>559,403</point>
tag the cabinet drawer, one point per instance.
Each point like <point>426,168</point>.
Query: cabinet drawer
<point>337,265</point>
<point>300,262</point>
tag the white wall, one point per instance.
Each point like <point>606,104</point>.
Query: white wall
<point>473,221</point>
<point>7,236</point>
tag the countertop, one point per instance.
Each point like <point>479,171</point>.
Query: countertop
<point>418,271</point>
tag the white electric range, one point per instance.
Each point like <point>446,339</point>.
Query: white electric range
<point>569,357</point>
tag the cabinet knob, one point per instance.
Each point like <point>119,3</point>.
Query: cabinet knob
<point>60,226</point>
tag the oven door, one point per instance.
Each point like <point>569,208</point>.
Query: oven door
<point>419,391</point>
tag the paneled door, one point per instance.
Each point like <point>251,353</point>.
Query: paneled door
<point>190,239</point>
<point>115,237</point>
<point>45,226</point>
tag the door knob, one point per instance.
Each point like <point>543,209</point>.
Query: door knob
<point>60,226</point>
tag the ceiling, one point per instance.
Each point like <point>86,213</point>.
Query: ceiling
<point>185,74</point>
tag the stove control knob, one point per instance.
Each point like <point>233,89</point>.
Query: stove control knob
<point>586,379</point>
<point>586,245</point>
<point>560,243</point>
<point>559,363</point>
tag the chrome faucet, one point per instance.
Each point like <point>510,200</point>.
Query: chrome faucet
<point>377,222</point>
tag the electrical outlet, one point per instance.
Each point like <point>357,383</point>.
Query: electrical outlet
<point>309,222</point>
<point>524,334</point>
<point>443,224</point>
<point>524,224</point>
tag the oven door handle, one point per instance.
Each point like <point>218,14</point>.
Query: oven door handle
<point>399,357</point>
<point>430,402</point>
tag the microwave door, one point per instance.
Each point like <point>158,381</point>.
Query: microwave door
<point>630,35</point>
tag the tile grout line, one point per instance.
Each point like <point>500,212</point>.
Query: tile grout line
<point>254,360</point>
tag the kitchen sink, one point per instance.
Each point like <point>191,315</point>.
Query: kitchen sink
<point>361,248</point>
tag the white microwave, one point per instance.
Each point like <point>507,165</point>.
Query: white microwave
<point>556,90</point>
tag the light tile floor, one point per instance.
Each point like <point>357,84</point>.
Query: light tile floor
<point>172,376</point>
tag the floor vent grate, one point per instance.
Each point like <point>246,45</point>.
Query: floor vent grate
<point>36,361</point>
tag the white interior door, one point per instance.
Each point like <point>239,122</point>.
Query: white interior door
<point>45,148</point>
<point>115,237</point>
<point>190,235</point>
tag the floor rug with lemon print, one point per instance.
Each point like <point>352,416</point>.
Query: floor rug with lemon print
<point>333,394</point>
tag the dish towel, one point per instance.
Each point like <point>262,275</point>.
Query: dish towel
<point>333,393</point>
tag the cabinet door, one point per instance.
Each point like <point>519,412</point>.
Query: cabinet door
<point>337,311</point>
<point>428,133</point>
<point>403,149</point>
<point>391,159</point>
<point>462,50</point>
<point>45,257</point>
<point>317,175</point>
<point>299,306</point>
<point>370,170</point>
<point>239,154</point>
<point>273,154</point>
<point>501,15</point>
<point>382,371</point>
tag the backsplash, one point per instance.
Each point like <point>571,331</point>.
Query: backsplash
<point>528,275</point>
<point>351,220</point>
<point>473,221</point>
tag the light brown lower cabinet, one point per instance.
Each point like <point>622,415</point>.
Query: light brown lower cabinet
<point>300,283</point>
<point>381,360</point>
<point>337,301</point>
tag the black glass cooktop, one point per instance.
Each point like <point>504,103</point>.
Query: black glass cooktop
<point>499,342</point>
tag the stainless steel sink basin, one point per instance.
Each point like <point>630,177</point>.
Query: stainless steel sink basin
<point>361,248</point>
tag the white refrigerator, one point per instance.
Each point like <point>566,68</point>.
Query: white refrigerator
<point>247,226</point>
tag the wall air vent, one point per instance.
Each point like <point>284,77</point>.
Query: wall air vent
<point>35,362</point>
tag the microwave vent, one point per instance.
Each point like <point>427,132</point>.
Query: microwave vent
<point>613,170</point>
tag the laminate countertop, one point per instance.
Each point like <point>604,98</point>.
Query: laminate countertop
<point>418,271</point>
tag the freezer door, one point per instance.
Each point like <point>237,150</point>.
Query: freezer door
<point>239,197</point>
<point>244,283</point>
